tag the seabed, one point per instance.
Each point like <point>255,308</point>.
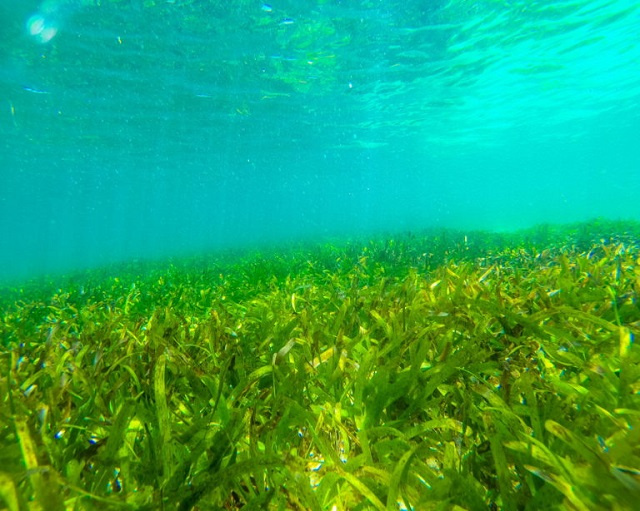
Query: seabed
<point>442,370</point>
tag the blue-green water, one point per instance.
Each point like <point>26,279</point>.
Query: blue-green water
<point>144,128</point>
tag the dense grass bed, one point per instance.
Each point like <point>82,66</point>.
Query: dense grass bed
<point>432,371</point>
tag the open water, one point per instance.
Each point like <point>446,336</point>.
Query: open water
<point>147,128</point>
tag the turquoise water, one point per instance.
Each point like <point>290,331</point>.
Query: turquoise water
<point>139,128</point>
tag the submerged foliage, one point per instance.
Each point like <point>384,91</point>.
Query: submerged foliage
<point>421,372</point>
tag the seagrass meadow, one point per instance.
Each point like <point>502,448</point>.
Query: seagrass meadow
<point>428,371</point>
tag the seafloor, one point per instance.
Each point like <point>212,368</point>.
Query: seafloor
<point>436,370</point>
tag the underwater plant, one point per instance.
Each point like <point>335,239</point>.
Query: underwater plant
<point>424,371</point>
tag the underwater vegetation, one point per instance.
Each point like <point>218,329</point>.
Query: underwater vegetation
<point>426,371</point>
